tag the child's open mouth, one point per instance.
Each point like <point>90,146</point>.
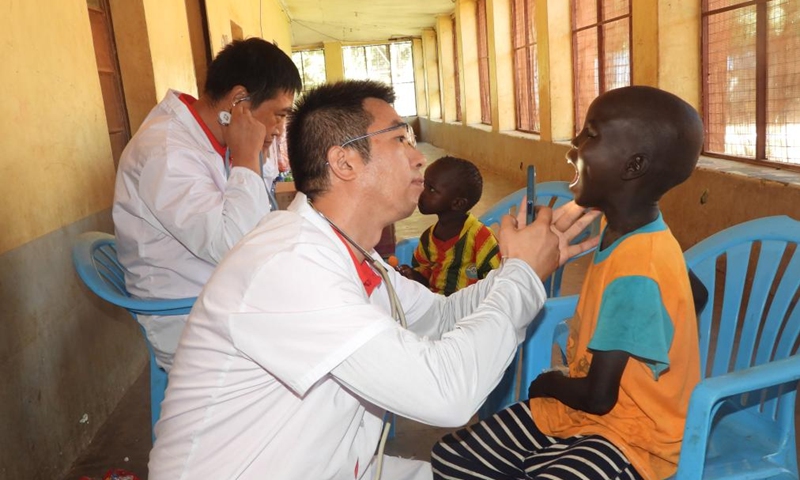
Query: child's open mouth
<point>570,154</point>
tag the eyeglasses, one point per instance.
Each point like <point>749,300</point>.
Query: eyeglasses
<point>410,138</point>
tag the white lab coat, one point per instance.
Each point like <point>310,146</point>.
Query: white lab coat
<point>176,214</point>
<point>286,367</point>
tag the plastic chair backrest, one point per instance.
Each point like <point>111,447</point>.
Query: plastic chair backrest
<point>550,194</point>
<point>752,273</point>
<point>741,419</point>
<point>94,256</point>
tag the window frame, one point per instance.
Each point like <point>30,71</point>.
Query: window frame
<point>534,119</point>
<point>601,68</point>
<point>761,84</point>
<point>301,67</point>
<point>482,40</point>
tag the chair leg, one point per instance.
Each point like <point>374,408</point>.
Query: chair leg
<point>158,385</point>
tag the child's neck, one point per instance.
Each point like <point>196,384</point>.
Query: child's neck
<point>622,221</point>
<point>449,224</point>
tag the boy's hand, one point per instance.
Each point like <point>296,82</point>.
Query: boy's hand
<point>569,220</point>
<point>538,386</point>
<point>405,271</point>
<point>536,243</point>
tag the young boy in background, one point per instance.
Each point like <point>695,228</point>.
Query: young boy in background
<point>458,250</point>
<point>632,351</point>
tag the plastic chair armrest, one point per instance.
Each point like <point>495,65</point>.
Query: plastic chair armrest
<point>706,399</point>
<point>538,345</point>
<point>178,306</point>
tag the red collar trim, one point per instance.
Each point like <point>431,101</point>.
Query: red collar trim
<point>189,100</point>
<point>369,278</point>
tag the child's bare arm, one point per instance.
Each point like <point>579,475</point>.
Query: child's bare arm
<point>595,393</point>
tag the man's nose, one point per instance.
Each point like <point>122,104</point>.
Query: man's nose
<point>418,160</point>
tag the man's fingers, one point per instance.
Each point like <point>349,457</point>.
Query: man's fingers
<point>544,215</point>
<point>522,210</point>
<point>567,214</point>
<point>580,224</point>
<point>579,248</point>
<point>508,222</point>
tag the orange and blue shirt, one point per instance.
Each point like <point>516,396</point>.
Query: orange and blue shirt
<point>453,264</point>
<point>635,298</point>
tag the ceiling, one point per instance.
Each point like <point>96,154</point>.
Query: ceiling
<point>317,21</point>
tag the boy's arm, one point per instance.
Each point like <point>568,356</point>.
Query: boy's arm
<point>595,393</point>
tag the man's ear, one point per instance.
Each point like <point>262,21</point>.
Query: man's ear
<point>236,93</point>
<point>636,166</point>
<point>339,161</point>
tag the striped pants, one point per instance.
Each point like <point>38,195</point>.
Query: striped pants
<point>508,446</point>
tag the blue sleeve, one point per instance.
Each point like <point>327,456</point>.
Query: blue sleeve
<point>633,319</point>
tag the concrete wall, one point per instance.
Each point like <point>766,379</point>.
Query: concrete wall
<point>65,355</point>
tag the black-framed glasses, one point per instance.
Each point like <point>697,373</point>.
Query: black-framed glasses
<point>410,137</point>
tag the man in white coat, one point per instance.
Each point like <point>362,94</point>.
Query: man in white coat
<point>192,181</point>
<point>296,347</point>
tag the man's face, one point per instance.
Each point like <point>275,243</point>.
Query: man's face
<point>599,153</point>
<point>394,172</point>
<point>272,114</point>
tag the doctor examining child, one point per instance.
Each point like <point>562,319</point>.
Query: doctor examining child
<point>303,337</point>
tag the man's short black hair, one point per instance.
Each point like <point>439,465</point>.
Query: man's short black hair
<point>257,65</point>
<point>325,116</point>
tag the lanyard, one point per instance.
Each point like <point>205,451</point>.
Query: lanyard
<point>273,202</point>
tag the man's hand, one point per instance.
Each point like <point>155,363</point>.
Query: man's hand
<point>569,220</point>
<point>245,137</point>
<point>536,243</point>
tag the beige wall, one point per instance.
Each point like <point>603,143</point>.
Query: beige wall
<point>273,22</point>
<point>170,49</point>
<point>64,353</point>
<point>334,61</point>
<point>56,154</point>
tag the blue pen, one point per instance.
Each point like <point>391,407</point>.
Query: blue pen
<point>530,214</point>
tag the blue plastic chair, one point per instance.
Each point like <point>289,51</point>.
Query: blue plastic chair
<point>95,258</point>
<point>741,418</point>
<point>551,194</point>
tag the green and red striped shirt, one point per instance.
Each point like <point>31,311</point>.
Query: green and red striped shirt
<point>453,264</point>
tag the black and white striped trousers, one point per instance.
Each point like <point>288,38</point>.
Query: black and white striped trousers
<point>509,446</point>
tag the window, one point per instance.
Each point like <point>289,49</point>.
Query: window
<point>601,50</point>
<point>751,72</point>
<point>483,64</point>
<point>311,64</point>
<point>526,68</point>
<point>391,63</point>
<point>456,71</point>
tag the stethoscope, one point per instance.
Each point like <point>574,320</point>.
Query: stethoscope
<point>397,314</point>
<point>224,119</point>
